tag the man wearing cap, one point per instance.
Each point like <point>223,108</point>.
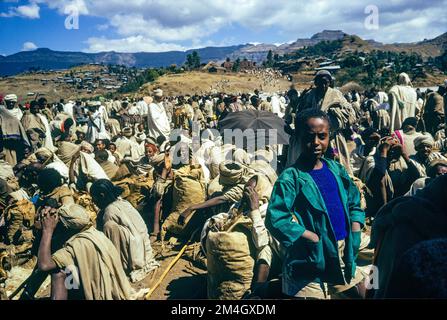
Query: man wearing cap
<point>157,119</point>
<point>34,126</point>
<point>340,111</point>
<point>13,138</point>
<point>424,153</point>
<point>10,103</point>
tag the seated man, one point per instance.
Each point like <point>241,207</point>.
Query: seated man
<point>233,177</point>
<point>124,226</point>
<point>114,172</point>
<point>52,185</point>
<point>425,153</point>
<point>88,256</point>
<point>253,205</point>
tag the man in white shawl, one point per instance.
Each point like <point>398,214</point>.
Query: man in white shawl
<point>277,107</point>
<point>157,119</point>
<point>128,149</point>
<point>10,103</point>
<point>340,111</point>
<point>13,137</point>
<point>403,102</point>
<point>96,125</point>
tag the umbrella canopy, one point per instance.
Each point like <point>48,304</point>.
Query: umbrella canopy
<point>262,123</point>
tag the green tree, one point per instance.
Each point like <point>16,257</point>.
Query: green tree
<point>236,65</point>
<point>196,59</point>
<point>270,59</point>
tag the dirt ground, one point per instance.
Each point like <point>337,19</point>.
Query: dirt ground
<point>186,279</point>
<point>191,83</point>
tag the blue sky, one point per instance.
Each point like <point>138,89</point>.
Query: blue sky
<point>162,25</point>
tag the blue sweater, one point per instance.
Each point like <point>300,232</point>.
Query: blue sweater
<point>328,187</point>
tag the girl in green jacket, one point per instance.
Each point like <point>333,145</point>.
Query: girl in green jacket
<point>315,212</point>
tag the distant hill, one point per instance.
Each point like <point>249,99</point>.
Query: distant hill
<point>47,59</point>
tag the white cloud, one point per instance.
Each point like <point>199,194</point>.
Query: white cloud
<point>170,22</point>
<point>29,46</point>
<point>30,11</point>
<point>102,27</point>
<point>130,44</point>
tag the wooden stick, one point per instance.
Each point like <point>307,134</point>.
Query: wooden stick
<point>173,262</point>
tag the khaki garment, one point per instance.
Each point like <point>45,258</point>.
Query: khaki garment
<point>34,127</point>
<point>98,265</point>
<point>66,150</point>
<point>124,226</point>
<point>109,168</point>
<point>19,221</point>
<point>315,290</point>
<point>62,194</point>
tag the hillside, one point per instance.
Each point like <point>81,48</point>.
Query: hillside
<point>46,59</point>
<point>190,83</point>
<point>93,81</point>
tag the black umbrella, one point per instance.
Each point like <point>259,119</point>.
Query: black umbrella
<point>264,124</point>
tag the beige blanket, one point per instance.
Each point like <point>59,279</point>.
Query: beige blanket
<point>125,227</point>
<point>403,101</point>
<point>98,263</point>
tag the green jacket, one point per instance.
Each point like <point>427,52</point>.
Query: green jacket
<point>296,205</point>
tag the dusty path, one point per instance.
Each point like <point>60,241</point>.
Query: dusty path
<point>186,280</point>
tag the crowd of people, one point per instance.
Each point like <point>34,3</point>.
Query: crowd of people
<point>351,207</point>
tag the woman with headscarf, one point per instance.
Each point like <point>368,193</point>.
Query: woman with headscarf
<point>407,134</point>
<point>435,168</point>
<point>124,226</point>
<point>88,257</point>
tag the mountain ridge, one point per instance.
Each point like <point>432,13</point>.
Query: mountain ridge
<point>47,59</point>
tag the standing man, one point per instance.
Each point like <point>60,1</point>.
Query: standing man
<point>341,112</point>
<point>10,103</point>
<point>13,138</point>
<point>96,126</point>
<point>403,101</point>
<point>157,119</point>
<point>34,126</point>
